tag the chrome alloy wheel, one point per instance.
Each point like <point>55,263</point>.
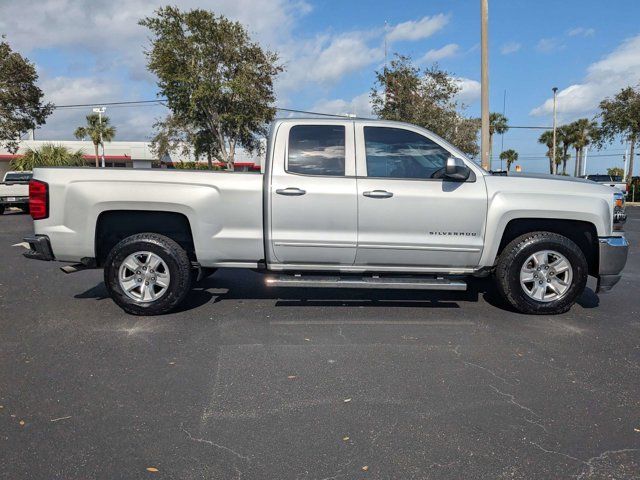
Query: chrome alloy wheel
<point>546,276</point>
<point>144,277</point>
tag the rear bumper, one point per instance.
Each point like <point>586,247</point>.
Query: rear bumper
<point>39,248</point>
<point>613,253</point>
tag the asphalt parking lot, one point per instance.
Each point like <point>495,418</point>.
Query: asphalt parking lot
<point>246,382</point>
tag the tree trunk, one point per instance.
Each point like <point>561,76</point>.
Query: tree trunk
<point>564,160</point>
<point>231,159</point>
<point>633,139</point>
<point>551,159</point>
<point>97,155</point>
<point>209,161</point>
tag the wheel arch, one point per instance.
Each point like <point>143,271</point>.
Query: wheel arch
<point>584,234</point>
<point>114,225</point>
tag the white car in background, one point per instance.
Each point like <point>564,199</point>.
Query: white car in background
<point>14,191</point>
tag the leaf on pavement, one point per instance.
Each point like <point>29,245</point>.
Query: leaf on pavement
<point>152,469</point>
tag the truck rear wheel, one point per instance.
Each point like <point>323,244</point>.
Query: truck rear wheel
<point>147,274</point>
<point>541,273</point>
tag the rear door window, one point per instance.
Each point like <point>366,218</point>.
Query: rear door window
<point>317,150</point>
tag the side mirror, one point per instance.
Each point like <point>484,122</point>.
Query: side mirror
<point>456,170</point>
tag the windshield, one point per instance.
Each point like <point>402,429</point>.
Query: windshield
<point>18,177</point>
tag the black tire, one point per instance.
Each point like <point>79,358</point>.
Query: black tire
<point>170,252</point>
<point>25,209</point>
<point>2,209</point>
<point>518,251</point>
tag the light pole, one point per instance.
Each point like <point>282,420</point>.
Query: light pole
<point>100,111</point>
<point>484,89</point>
<point>554,165</point>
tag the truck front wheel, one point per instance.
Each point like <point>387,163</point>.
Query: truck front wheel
<point>147,274</point>
<point>541,273</point>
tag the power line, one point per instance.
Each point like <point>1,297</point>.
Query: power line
<point>132,103</point>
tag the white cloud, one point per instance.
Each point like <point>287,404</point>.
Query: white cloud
<point>604,78</point>
<point>344,54</point>
<point>417,29</point>
<point>66,90</point>
<point>359,105</point>
<point>581,32</point>
<point>325,60</point>
<point>434,55</point>
<point>548,45</point>
<point>469,90</point>
<point>510,47</point>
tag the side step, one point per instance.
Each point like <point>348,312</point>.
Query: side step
<point>399,283</point>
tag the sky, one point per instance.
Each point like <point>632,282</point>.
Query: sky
<point>91,51</point>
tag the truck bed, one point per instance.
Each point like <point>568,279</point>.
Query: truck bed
<point>224,209</point>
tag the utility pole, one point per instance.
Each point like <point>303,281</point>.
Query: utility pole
<point>504,113</point>
<point>624,162</point>
<point>554,165</point>
<point>484,73</point>
<point>100,111</point>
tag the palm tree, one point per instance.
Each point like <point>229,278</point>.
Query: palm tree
<point>547,139</point>
<point>93,130</point>
<point>565,136</point>
<point>48,155</point>
<point>510,156</point>
<point>584,132</point>
<point>498,123</point>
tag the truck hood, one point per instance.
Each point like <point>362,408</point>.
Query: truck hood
<point>546,176</point>
<point>544,184</point>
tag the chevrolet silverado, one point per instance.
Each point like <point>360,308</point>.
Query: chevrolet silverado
<point>340,204</point>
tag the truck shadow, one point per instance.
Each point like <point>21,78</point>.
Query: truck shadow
<point>229,284</point>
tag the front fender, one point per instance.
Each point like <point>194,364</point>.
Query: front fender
<point>507,206</point>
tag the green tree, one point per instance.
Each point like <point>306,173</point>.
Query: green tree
<point>583,133</point>
<point>218,82</point>
<point>427,98</point>
<point>565,137</point>
<point>620,116</point>
<point>498,123</point>
<point>615,172</point>
<point>510,156</point>
<point>98,132</point>
<point>21,107</point>
<point>547,139</point>
<point>48,155</point>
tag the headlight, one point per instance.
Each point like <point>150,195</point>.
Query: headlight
<point>619,215</point>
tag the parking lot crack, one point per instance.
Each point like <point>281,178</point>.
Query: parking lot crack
<point>540,447</point>
<point>536,424</point>
<point>491,372</point>
<point>512,400</point>
<point>213,444</point>
<point>590,462</point>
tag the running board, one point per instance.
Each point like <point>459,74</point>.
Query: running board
<point>399,283</point>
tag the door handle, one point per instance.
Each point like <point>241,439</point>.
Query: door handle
<point>378,194</point>
<point>291,191</point>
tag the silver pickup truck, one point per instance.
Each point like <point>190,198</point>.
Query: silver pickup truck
<point>340,204</point>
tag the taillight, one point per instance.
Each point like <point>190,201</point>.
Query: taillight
<point>38,199</point>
